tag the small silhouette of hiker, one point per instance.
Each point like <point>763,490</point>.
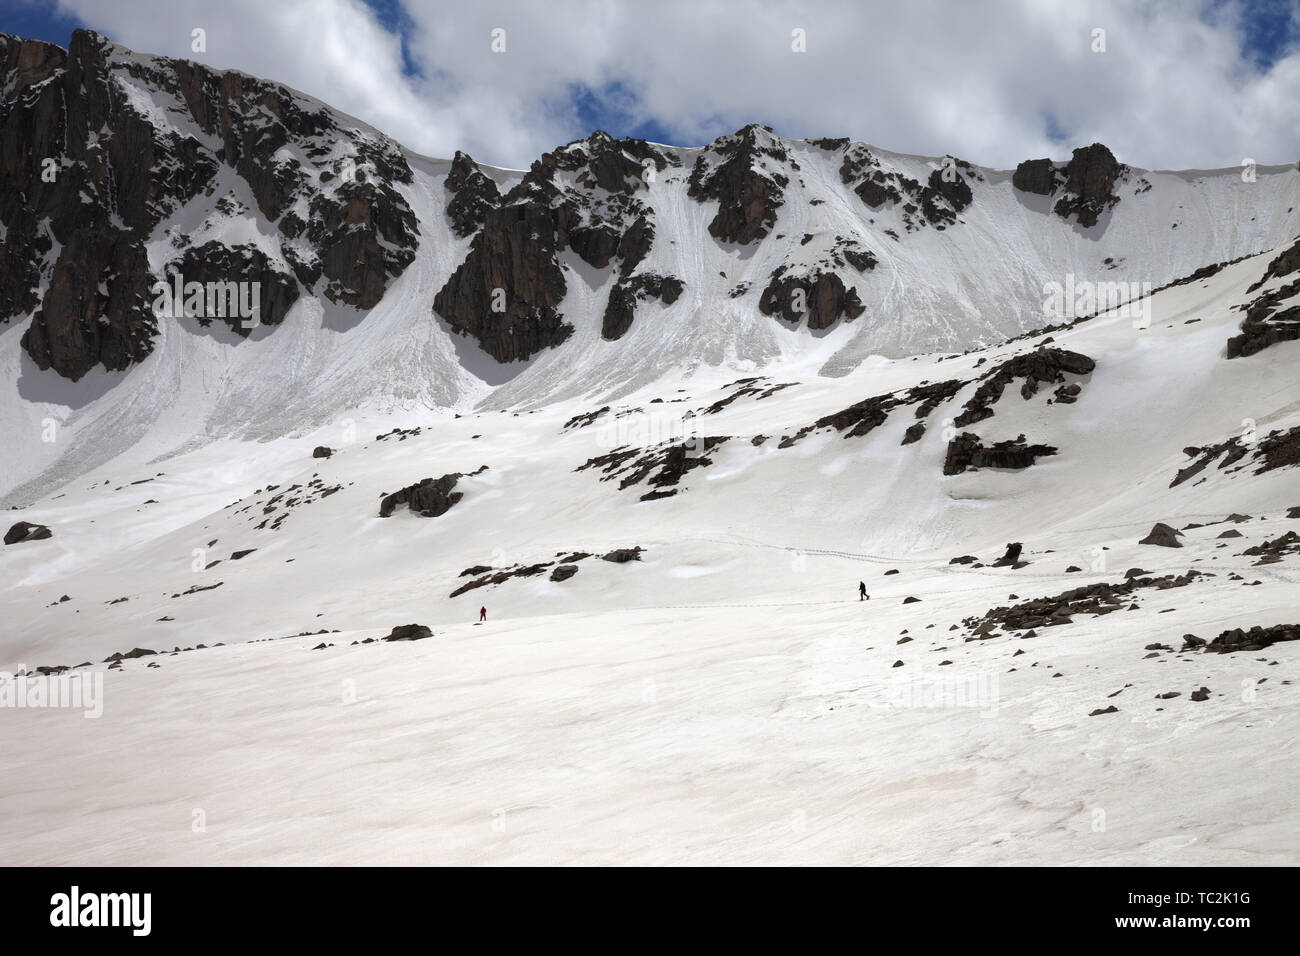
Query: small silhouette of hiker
<point>862,591</point>
<point>482,614</point>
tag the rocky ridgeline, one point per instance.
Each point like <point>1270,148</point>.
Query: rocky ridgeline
<point>937,204</point>
<point>1264,324</point>
<point>1047,366</point>
<point>1236,639</point>
<point>585,196</point>
<point>473,193</point>
<point>1086,184</point>
<point>101,146</point>
<point>758,387</point>
<point>861,418</point>
<point>1093,599</point>
<point>745,173</point>
<point>1278,449</point>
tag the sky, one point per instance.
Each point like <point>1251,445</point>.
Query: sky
<point>1166,84</point>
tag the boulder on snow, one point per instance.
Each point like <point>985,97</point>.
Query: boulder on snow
<point>1255,639</point>
<point>622,555</point>
<point>322,451</point>
<point>27,531</point>
<point>1163,535</point>
<point>563,572</point>
<point>430,497</point>
<point>1011,558</point>
<point>134,653</point>
<point>967,451</point>
<point>408,632</point>
<point>1036,176</point>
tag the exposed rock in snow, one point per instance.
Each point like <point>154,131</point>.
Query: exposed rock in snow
<point>968,451</point>
<point>27,531</point>
<point>430,498</point>
<point>1163,535</point>
<point>744,173</point>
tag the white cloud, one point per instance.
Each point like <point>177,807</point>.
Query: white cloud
<point>979,80</point>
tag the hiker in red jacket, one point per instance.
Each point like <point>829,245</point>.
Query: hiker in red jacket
<point>482,614</point>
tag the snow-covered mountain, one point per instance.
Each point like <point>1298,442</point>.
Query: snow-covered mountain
<point>659,410</point>
<point>390,280</point>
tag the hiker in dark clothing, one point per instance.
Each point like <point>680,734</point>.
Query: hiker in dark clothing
<point>862,591</point>
<point>482,614</point>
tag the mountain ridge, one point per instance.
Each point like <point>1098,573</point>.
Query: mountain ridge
<point>404,280</point>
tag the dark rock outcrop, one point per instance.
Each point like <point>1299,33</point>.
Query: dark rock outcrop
<point>473,194</point>
<point>758,387</point>
<point>1038,176</point>
<point>97,308</point>
<point>967,451</point>
<point>1090,178</point>
<point>222,271</point>
<point>937,203</point>
<point>861,418</point>
<point>661,467</point>
<point>822,297</point>
<point>1274,550</point>
<point>1263,324</point>
<point>1163,535</point>
<point>505,292</point>
<point>625,295</point>
<point>1278,449</point>
<point>748,192</point>
<point>1043,365</point>
<point>1092,599</point>
<point>27,531</point>
<point>622,555</point>
<point>1012,556</point>
<point>322,451</point>
<point>1255,639</point>
<point>408,632</point>
<point>945,194</point>
<point>85,167</point>
<point>430,498</point>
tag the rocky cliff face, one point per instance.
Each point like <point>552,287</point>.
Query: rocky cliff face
<point>118,170</point>
<point>938,203</point>
<point>587,197</point>
<point>745,173</point>
<point>101,147</point>
<point>1086,183</point>
<point>473,194</point>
